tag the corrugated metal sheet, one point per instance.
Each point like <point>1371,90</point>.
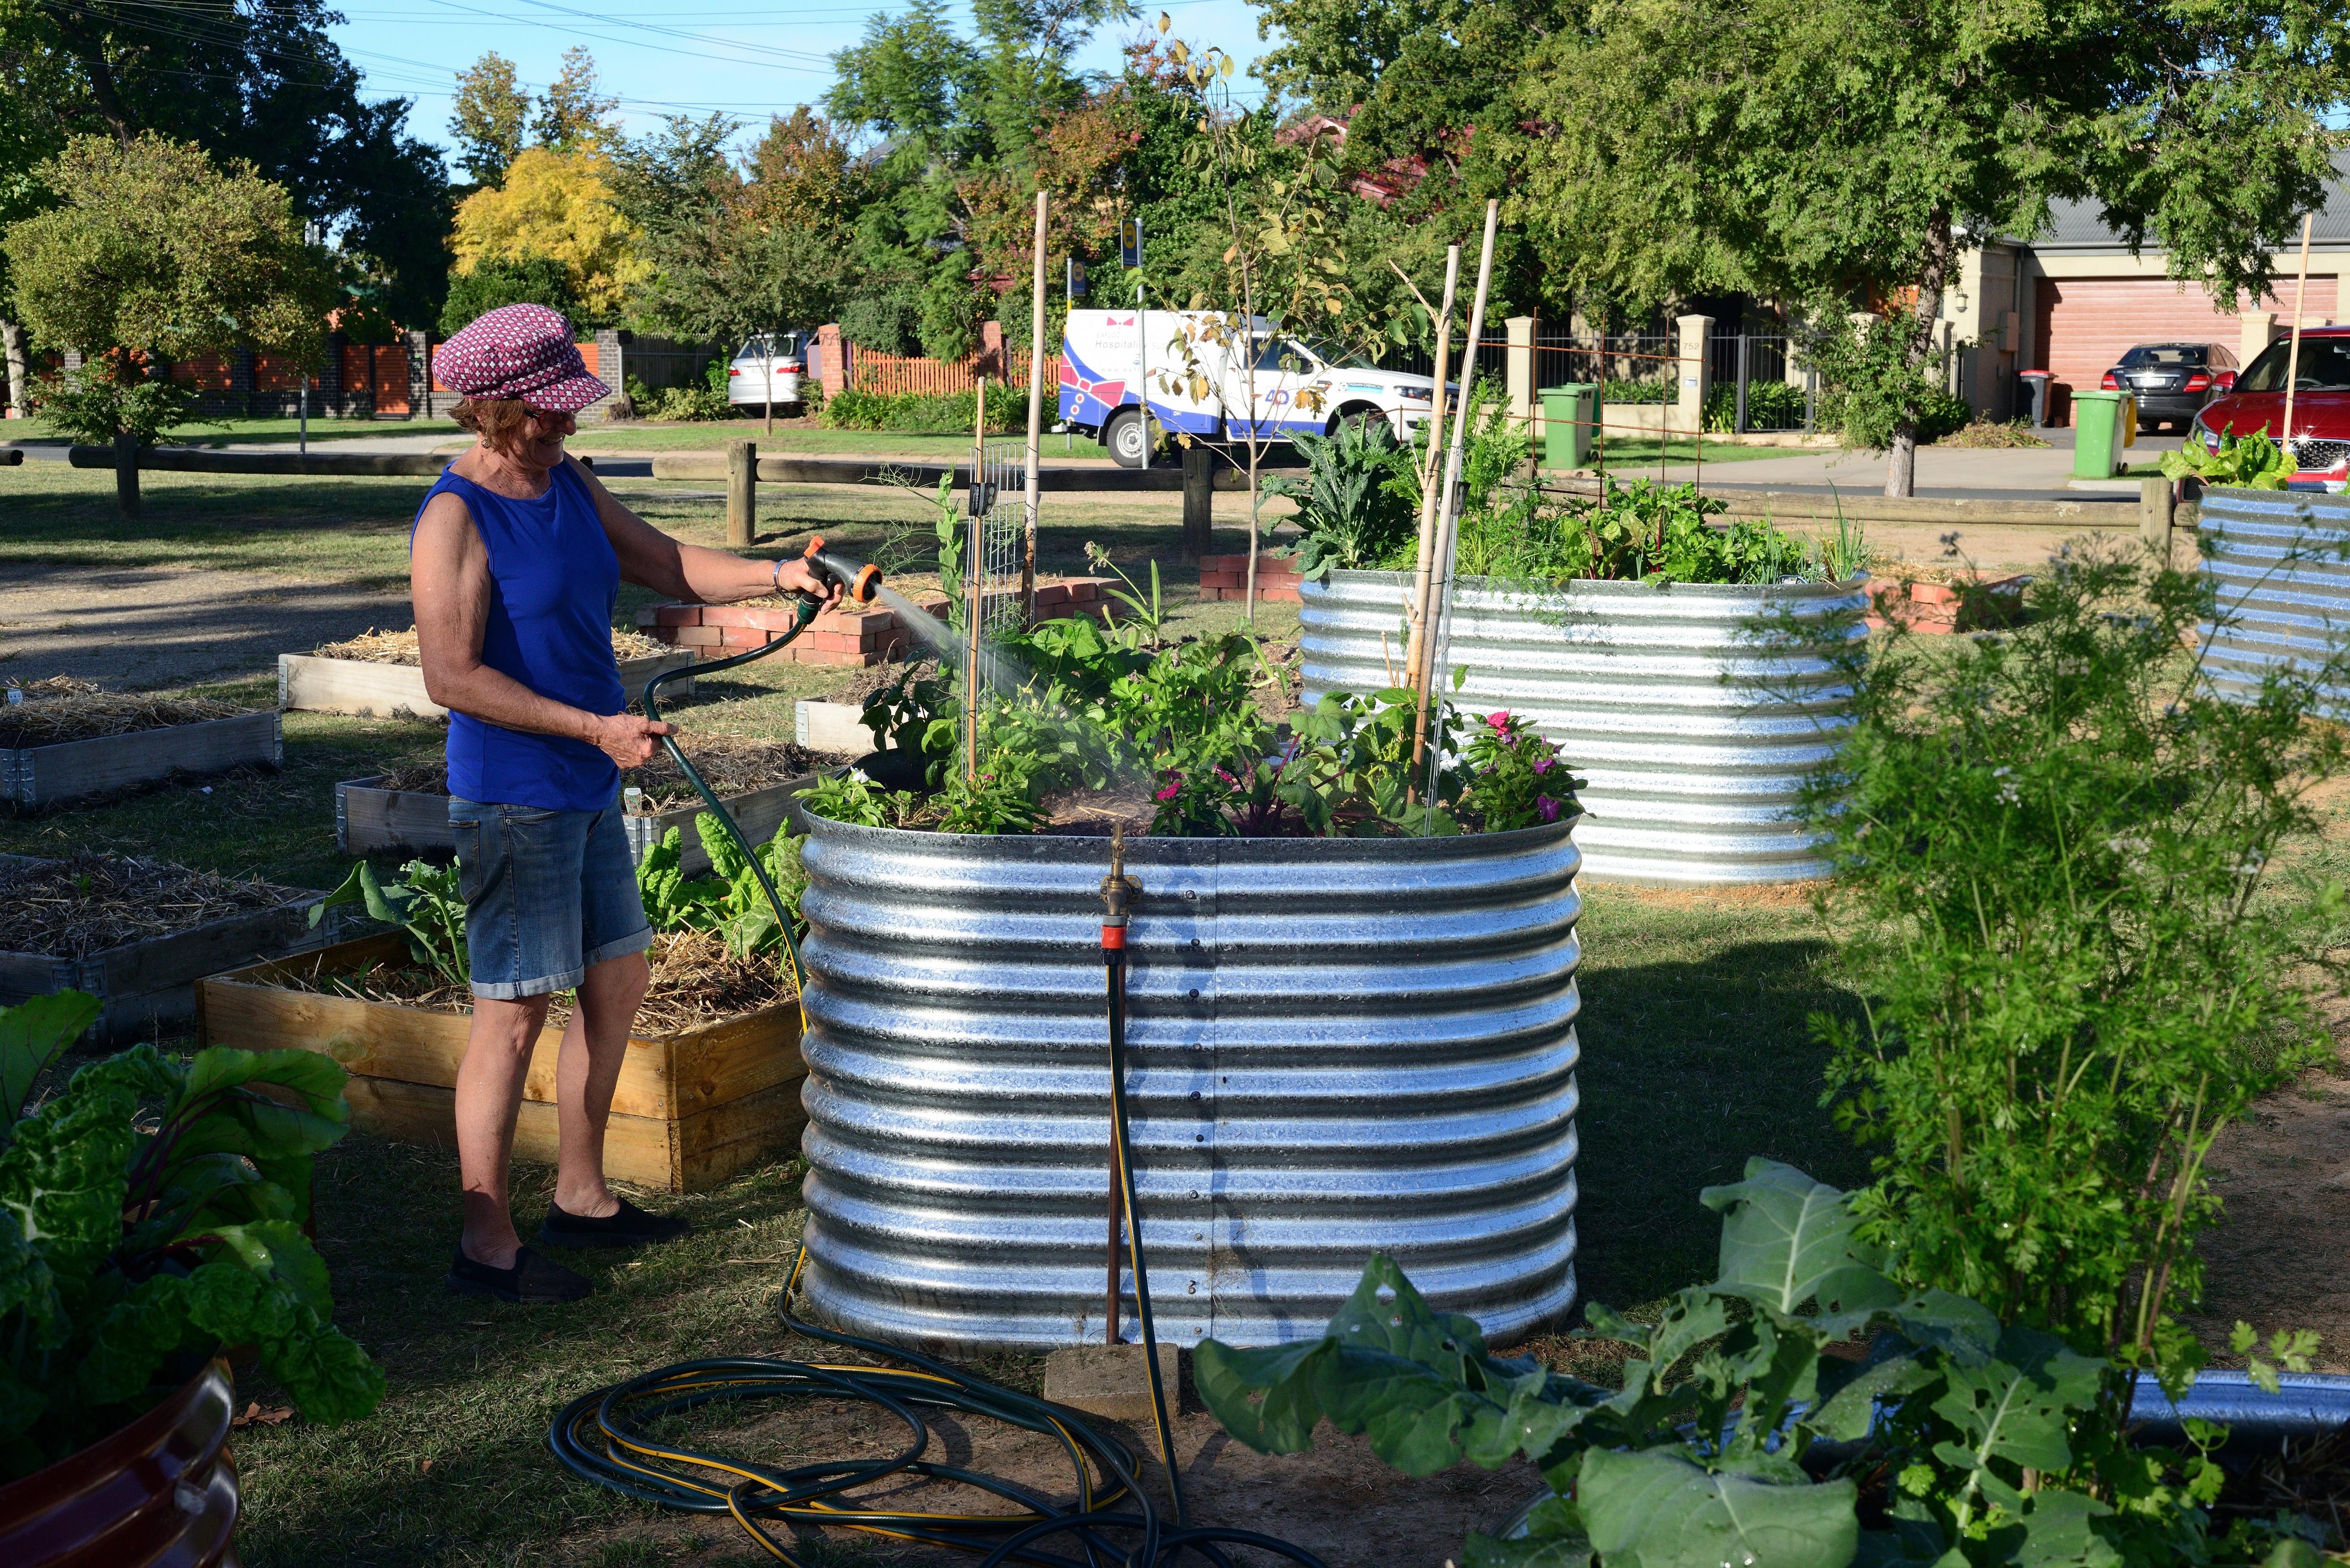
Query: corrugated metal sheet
<point>1690,774</point>
<point>1336,1045</point>
<point>2284,612</point>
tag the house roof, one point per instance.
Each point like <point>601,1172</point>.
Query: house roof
<point>2075,228</point>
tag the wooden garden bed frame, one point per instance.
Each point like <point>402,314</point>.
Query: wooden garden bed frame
<point>354,686</point>
<point>693,1110</point>
<point>32,776</point>
<point>154,980</point>
<point>372,820</point>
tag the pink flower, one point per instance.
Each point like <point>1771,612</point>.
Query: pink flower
<point>1500,720</point>
<point>1174,785</point>
<point>1547,806</point>
<point>1228,778</point>
<point>1544,765</point>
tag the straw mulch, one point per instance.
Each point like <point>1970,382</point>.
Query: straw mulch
<point>74,907</point>
<point>373,647</point>
<point>733,766</point>
<point>695,982</point>
<point>63,708</point>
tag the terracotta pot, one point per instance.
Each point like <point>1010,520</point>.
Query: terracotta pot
<point>161,1492</point>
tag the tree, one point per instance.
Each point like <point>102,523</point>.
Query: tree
<point>495,282</point>
<point>571,113</point>
<point>488,117</point>
<point>152,251</point>
<point>1840,150</point>
<point>253,79</point>
<point>557,204</point>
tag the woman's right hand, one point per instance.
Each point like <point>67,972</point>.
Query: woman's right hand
<point>629,739</point>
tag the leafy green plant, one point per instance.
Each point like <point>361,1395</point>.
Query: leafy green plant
<point>856,800</point>
<point>2250,462</point>
<point>427,905</point>
<point>1737,1437</point>
<point>1357,504</point>
<point>744,917</point>
<point>110,394</point>
<point>1635,532</point>
<point>152,1214</point>
<point>1770,405</point>
<point>942,414</point>
<point>672,900</point>
<point>1144,624</point>
<point>900,716</point>
<point>2054,851</point>
<point>1515,777</point>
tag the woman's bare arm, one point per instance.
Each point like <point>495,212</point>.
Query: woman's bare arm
<point>694,573</point>
<point>449,579</point>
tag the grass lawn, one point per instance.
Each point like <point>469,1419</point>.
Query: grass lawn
<point>1629,454</point>
<point>221,432</point>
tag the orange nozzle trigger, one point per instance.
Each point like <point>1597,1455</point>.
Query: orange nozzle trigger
<point>815,548</point>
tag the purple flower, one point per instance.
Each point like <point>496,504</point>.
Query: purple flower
<point>1547,806</point>
<point>1544,765</point>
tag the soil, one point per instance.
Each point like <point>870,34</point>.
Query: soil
<point>1091,813</point>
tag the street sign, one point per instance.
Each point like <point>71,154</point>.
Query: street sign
<point>1077,278</point>
<point>1130,243</point>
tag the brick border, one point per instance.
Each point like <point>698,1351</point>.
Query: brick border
<point>1226,578</point>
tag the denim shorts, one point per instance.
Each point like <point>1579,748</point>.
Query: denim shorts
<point>548,894</point>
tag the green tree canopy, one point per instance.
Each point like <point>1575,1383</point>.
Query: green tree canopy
<point>1841,151</point>
<point>488,117</point>
<point>253,79</point>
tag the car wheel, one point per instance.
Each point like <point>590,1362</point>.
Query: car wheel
<point>1128,440</point>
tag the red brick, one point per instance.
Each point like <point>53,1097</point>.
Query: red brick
<point>1938,595</point>
<point>1052,594</point>
<point>730,614</point>
<point>675,614</point>
<point>1221,579</point>
<point>742,636</point>
<point>698,636</point>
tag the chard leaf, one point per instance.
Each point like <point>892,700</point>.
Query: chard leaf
<point>1657,1509</point>
<point>63,1178</point>
<point>26,1285</point>
<point>1787,1240</point>
<point>138,1332</point>
<point>279,1250</point>
<point>32,1034</point>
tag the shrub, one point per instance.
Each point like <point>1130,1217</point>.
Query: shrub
<point>1770,405</point>
<point>2053,851</point>
<point>886,324</point>
<point>943,413</point>
<point>109,394</point>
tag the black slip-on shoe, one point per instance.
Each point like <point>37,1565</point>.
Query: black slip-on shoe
<point>627,1226</point>
<point>532,1281</point>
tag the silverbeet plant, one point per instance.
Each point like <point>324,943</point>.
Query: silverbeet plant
<point>1752,1428</point>
<point>151,1213</point>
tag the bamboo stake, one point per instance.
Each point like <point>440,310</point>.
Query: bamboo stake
<point>974,567</point>
<point>1035,419</point>
<point>1448,514</point>
<point>2292,353</point>
<point>1419,605</point>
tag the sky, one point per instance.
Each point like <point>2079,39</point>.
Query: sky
<point>692,57</point>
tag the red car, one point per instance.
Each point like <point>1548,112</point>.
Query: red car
<point>2319,438</point>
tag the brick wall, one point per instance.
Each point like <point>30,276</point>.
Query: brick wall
<point>843,636</point>
<point>1226,578</point>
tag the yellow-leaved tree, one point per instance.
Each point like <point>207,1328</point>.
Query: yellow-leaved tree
<point>555,204</point>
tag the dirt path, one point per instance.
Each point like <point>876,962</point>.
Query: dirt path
<point>139,627</point>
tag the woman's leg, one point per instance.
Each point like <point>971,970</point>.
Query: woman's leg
<point>584,1077</point>
<point>488,1095</point>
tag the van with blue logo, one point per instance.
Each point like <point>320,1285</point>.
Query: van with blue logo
<point>1209,376</point>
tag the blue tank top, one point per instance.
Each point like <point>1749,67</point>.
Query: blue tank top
<point>553,581</point>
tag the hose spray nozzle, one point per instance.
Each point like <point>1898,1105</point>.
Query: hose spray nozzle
<point>1118,890</point>
<point>859,578</point>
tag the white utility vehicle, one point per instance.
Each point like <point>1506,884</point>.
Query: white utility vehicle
<point>1197,365</point>
<point>767,369</point>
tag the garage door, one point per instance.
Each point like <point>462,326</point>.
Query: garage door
<point>2084,323</point>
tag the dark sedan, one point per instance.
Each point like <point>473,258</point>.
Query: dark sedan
<point>2172,382</point>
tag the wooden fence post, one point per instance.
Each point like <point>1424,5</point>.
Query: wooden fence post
<point>1198,501</point>
<point>2157,507</point>
<point>742,493</point>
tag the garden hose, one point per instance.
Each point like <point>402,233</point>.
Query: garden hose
<point>612,1436</point>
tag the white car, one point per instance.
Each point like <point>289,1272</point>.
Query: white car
<point>767,369</point>
<point>1199,367</point>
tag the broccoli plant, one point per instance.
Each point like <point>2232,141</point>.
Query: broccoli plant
<point>1802,1410</point>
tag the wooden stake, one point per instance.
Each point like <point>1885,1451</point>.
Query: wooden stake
<point>1036,418</point>
<point>2292,353</point>
<point>1428,469</point>
<point>974,565</point>
<point>1447,526</point>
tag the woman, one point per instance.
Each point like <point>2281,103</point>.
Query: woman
<point>515,563</point>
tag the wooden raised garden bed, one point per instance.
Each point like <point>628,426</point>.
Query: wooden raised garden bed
<point>153,979</point>
<point>63,738</point>
<point>386,683</point>
<point>373,816</point>
<point>693,1110</point>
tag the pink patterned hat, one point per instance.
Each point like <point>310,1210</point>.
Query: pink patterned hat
<point>519,351</point>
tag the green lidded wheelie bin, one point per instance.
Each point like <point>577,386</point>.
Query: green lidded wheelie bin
<point>1570,419</point>
<point>2102,424</point>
